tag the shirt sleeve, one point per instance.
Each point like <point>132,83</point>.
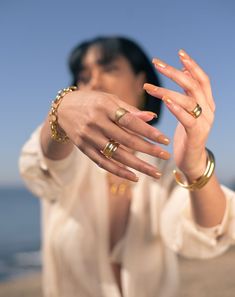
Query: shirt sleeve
<point>185,237</point>
<point>44,177</point>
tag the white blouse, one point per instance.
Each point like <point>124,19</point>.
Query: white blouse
<point>75,218</point>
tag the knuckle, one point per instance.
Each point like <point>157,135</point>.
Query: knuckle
<point>119,172</point>
<point>191,104</point>
<point>83,132</point>
<point>205,79</point>
<point>131,142</point>
<point>150,131</point>
<point>77,140</point>
<point>156,150</point>
<point>127,119</point>
<point>100,105</point>
<point>194,86</point>
<point>140,166</point>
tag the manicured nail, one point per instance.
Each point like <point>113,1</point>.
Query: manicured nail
<point>153,114</point>
<point>164,155</point>
<point>150,87</point>
<point>159,63</point>
<point>145,115</point>
<point>182,53</point>
<point>157,174</point>
<point>167,100</point>
<point>170,104</point>
<point>163,139</point>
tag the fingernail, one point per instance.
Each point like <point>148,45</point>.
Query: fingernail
<point>164,155</point>
<point>145,115</point>
<point>163,139</point>
<point>167,100</point>
<point>183,54</point>
<point>153,114</point>
<point>159,63</point>
<point>158,174</point>
<point>150,87</point>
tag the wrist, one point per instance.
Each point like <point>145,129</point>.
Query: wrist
<point>197,166</point>
<point>200,181</point>
<point>57,133</point>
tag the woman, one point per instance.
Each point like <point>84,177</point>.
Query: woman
<point>113,229</point>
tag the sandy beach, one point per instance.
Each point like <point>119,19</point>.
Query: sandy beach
<point>215,277</point>
<point>27,286</point>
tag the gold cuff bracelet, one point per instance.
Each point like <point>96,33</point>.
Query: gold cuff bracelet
<point>202,180</point>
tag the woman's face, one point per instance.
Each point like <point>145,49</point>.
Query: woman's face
<point>116,77</point>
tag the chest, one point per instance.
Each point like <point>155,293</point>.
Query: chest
<point>119,203</point>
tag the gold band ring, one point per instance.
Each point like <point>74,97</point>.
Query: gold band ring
<point>110,148</point>
<point>120,112</point>
<point>196,112</point>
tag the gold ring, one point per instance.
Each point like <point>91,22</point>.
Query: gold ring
<point>120,112</point>
<point>196,112</point>
<point>110,148</point>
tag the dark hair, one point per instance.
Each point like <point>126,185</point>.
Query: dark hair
<point>112,47</point>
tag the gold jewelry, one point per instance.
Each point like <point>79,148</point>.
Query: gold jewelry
<point>120,112</point>
<point>58,133</point>
<point>202,180</point>
<point>120,189</point>
<point>196,112</point>
<point>110,148</point>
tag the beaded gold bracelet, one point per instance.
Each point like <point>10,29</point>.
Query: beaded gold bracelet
<point>57,133</point>
<point>202,180</point>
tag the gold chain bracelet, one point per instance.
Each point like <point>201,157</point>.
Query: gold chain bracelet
<point>202,180</point>
<point>58,133</point>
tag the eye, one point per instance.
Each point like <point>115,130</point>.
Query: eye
<point>111,68</point>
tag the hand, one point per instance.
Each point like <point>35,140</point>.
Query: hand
<point>191,133</point>
<point>88,118</point>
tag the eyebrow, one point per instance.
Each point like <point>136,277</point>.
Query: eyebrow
<point>101,62</point>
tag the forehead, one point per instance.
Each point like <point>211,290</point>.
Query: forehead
<point>99,56</point>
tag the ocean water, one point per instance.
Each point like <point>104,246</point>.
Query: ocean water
<point>19,233</point>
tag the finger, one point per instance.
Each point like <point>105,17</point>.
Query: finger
<point>129,159</point>
<point>107,164</point>
<point>182,116</point>
<point>136,143</point>
<point>189,84</point>
<point>124,156</point>
<point>198,74</point>
<point>186,102</point>
<point>146,116</point>
<point>183,80</point>
<point>136,125</point>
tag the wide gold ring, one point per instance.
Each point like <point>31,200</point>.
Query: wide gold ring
<point>196,112</point>
<point>110,148</point>
<point>120,112</point>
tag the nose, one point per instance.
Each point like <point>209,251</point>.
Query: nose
<point>96,82</point>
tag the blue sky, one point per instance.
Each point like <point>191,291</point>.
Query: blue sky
<point>37,36</point>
